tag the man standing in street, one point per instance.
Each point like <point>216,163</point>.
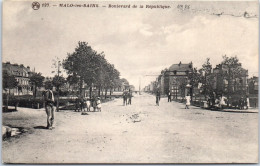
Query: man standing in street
<point>158,97</point>
<point>49,104</point>
<point>125,97</point>
<point>169,96</point>
<point>129,97</point>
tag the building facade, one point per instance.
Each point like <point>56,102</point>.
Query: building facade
<point>226,82</point>
<point>21,74</point>
<point>178,79</point>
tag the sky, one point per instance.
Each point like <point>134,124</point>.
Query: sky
<point>139,42</point>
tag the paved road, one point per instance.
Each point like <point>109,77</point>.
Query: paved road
<point>139,133</point>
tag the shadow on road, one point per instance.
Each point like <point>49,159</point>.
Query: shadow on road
<point>40,127</point>
<point>233,111</point>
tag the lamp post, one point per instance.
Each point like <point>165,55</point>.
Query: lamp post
<point>57,65</point>
<point>187,88</point>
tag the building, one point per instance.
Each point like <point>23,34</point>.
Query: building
<point>253,85</point>
<point>178,79</point>
<point>21,74</point>
<point>226,83</point>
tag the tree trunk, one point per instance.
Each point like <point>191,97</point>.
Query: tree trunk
<point>90,92</point>
<point>99,90</point>
<point>35,90</point>
<point>58,104</point>
<point>7,99</point>
<point>229,87</point>
<point>80,86</point>
<point>105,93</point>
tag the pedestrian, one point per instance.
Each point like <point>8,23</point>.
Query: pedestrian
<point>158,97</point>
<point>49,104</point>
<point>217,103</point>
<point>125,97</point>
<point>77,104</point>
<point>82,103</point>
<point>129,97</point>
<point>241,103</point>
<point>222,102</point>
<point>169,96</point>
<point>187,101</point>
<point>247,102</point>
<point>94,102</point>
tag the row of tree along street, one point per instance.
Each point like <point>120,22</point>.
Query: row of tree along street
<point>88,73</point>
<point>227,79</point>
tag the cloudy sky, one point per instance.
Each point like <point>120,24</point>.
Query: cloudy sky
<point>138,42</point>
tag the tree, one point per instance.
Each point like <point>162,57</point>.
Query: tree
<point>90,68</point>
<point>9,82</point>
<point>233,70</point>
<point>48,84</point>
<point>207,78</point>
<point>72,80</point>
<point>58,81</point>
<point>84,63</point>
<point>36,80</point>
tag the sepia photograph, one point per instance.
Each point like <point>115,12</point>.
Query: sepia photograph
<point>130,82</point>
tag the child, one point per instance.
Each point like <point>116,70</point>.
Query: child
<point>88,104</point>
<point>99,104</point>
<point>187,101</point>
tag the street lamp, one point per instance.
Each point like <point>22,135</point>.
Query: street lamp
<point>188,86</point>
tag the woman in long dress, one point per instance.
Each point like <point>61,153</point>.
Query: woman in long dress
<point>187,101</point>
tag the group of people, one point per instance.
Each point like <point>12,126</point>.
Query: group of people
<point>243,103</point>
<point>221,101</point>
<point>127,97</point>
<point>81,104</point>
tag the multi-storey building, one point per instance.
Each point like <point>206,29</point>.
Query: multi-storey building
<point>21,74</point>
<point>226,82</point>
<point>178,78</point>
<point>253,85</point>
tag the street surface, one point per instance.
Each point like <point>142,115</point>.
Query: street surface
<point>139,133</point>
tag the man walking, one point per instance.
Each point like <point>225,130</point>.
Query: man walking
<point>49,103</point>
<point>129,97</point>
<point>158,97</point>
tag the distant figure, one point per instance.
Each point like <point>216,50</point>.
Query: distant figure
<point>49,104</point>
<point>223,102</point>
<point>187,101</point>
<point>77,105</point>
<point>125,97</point>
<point>169,96</point>
<point>82,103</point>
<point>247,102</point>
<point>94,102</point>
<point>241,103</point>
<point>98,104</point>
<point>217,103</point>
<point>158,97</point>
<point>129,96</point>
<point>88,104</point>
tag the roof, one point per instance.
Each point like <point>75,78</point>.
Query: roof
<point>14,69</point>
<point>181,67</point>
